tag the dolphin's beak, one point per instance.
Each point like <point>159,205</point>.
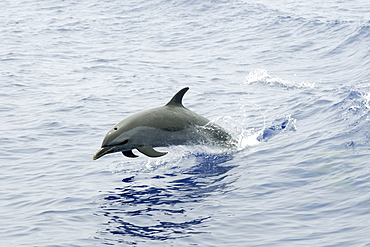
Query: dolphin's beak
<point>103,151</point>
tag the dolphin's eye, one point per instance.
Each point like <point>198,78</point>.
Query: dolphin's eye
<point>115,128</point>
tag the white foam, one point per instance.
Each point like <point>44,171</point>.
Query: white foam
<point>261,75</point>
<point>249,140</point>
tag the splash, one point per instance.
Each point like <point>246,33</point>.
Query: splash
<point>280,125</point>
<point>261,75</point>
<point>248,138</point>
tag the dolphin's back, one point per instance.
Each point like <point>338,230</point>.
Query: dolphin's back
<point>193,127</point>
<point>168,118</point>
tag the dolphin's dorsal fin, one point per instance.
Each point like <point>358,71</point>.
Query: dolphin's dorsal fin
<point>177,99</point>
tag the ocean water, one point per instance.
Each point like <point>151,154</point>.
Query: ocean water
<point>288,79</point>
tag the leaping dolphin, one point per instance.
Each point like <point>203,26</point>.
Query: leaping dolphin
<point>172,124</point>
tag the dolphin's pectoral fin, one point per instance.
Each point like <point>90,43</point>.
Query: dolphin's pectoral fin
<point>149,151</point>
<point>129,154</point>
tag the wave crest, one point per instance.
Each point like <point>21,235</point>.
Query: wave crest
<point>261,76</point>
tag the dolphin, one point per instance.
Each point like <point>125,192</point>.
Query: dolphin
<point>171,124</point>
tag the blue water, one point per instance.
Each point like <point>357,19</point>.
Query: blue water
<point>289,80</point>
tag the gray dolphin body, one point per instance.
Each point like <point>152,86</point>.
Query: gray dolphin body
<point>172,124</point>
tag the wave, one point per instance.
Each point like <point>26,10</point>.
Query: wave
<point>353,112</point>
<point>261,76</point>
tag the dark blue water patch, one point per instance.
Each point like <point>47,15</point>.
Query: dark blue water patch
<point>190,181</point>
<point>151,202</point>
<point>209,164</point>
<point>180,189</point>
<point>350,144</point>
<point>282,125</point>
<point>129,179</point>
<point>170,174</point>
<point>161,231</point>
<point>147,211</point>
<point>143,195</point>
